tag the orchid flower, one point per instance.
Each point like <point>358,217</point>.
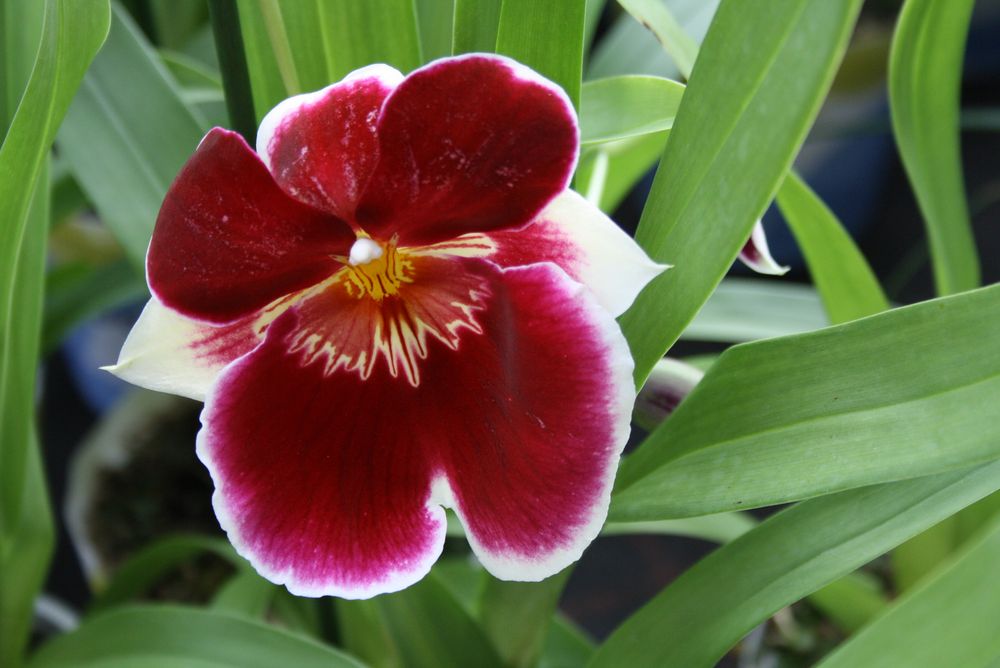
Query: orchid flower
<point>757,255</point>
<point>396,305</point>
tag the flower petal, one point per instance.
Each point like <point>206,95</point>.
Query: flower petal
<point>589,247</point>
<point>756,255</point>
<point>468,144</point>
<point>228,241</point>
<point>329,478</point>
<point>322,147</point>
<point>668,384</point>
<point>533,436</point>
<point>167,352</point>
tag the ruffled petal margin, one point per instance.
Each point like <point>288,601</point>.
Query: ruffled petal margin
<point>468,144</point>
<point>228,241</point>
<point>167,352</point>
<point>588,246</point>
<point>332,484</point>
<point>322,147</point>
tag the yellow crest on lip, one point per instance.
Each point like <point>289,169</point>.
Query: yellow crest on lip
<point>381,276</point>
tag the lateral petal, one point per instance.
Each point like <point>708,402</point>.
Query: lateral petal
<point>228,241</point>
<point>468,144</point>
<point>588,246</point>
<point>321,147</point>
<point>167,352</point>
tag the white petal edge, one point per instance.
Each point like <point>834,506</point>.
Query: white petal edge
<point>387,75</point>
<point>159,354</point>
<point>396,581</point>
<point>520,568</point>
<point>610,263</point>
<point>760,259</point>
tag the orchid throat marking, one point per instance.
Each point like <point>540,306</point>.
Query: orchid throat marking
<point>376,270</point>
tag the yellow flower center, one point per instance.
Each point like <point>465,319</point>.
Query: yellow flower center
<point>376,270</point>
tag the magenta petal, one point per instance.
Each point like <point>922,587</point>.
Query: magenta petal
<point>468,144</point>
<point>321,147</point>
<point>329,478</point>
<point>228,241</point>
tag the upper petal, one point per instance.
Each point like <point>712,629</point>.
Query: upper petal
<point>589,247</point>
<point>228,241</point>
<point>468,144</point>
<point>321,147</point>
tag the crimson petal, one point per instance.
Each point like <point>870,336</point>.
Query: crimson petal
<point>321,147</point>
<point>468,144</point>
<point>330,481</point>
<point>228,241</point>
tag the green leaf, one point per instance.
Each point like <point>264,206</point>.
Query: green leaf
<point>547,37</point>
<point>656,16</point>
<point>949,620</point>
<point>625,106</point>
<point>720,528</point>
<point>747,309</point>
<point>150,564</point>
<point>246,594</point>
<point>168,635</point>
<point>702,614</point>
<point>925,76</point>
<point>757,85</point>
<point>845,282</point>
<point>476,24</point>
<point>850,602</point>
<point>893,396</point>
<point>565,646</point>
<point>628,160</point>
<point>360,32</point>
<point>127,135</point>
<point>517,615</point>
<point>233,66</point>
<point>422,625</point>
<point>63,43</point>
<point>76,292</point>
<point>435,20</point>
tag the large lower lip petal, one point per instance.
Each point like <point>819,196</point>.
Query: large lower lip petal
<point>468,144</point>
<point>330,482</point>
<point>228,241</point>
<point>321,147</point>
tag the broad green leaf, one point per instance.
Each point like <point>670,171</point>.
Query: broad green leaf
<point>747,309</point>
<point>62,43</point>
<point>870,401</point>
<point>852,601</point>
<point>298,46</point>
<point>949,620</point>
<point>246,594</point>
<point>565,646</point>
<point>435,20</point>
<point>423,625</point>
<point>720,528</point>
<point>628,160</point>
<point>169,635</point>
<point>150,564</point>
<point>233,67</point>
<point>625,106</point>
<point>517,616</point>
<point>76,292</point>
<point>925,76</point>
<point>843,278</point>
<point>754,91</point>
<point>702,614</point>
<point>476,24</point>
<point>177,21</point>
<point>591,19</point>
<point>127,135</point>
<point>655,15</point>
<point>547,37</point>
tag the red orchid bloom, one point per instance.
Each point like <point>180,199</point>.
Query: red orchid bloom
<point>394,306</point>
